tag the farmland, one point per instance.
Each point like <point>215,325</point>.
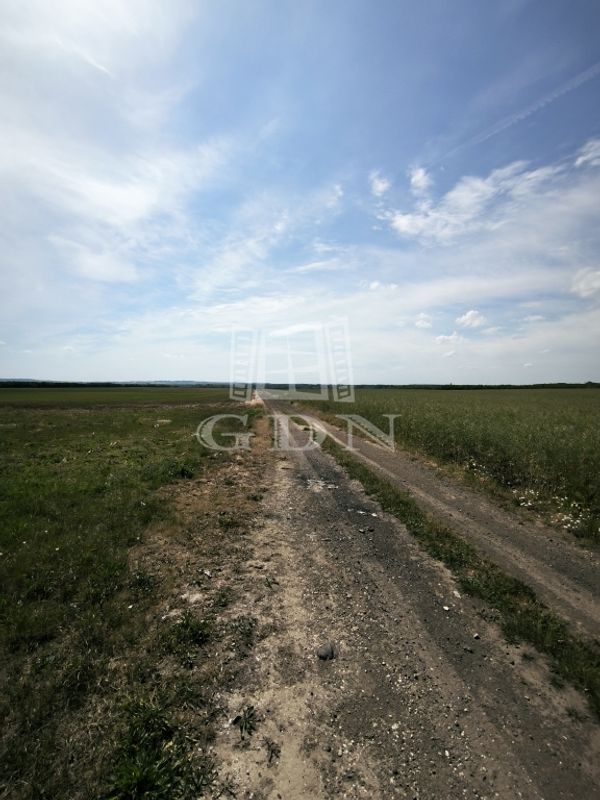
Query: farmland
<point>111,396</point>
<point>162,604</point>
<point>540,448</point>
<point>83,475</point>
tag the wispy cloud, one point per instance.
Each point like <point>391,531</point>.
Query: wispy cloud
<point>423,321</point>
<point>468,204</point>
<point>327,265</point>
<point>589,154</point>
<point>504,124</point>
<point>379,185</point>
<point>586,282</point>
<point>420,181</point>
<point>487,203</point>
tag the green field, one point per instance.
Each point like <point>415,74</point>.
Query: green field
<point>80,474</point>
<point>92,396</point>
<point>541,447</point>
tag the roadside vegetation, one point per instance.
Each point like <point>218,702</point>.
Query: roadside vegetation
<point>522,617</point>
<point>538,448</point>
<point>107,689</point>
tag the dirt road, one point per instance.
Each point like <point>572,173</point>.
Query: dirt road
<point>563,574</point>
<point>423,698</point>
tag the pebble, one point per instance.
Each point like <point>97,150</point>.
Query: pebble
<point>326,651</point>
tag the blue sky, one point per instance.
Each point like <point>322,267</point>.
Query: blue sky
<point>429,172</point>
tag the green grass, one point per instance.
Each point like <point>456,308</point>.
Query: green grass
<point>153,761</point>
<point>78,488</point>
<point>521,615</point>
<point>540,447</point>
<point>186,636</point>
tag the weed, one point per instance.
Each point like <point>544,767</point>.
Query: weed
<point>246,721</point>
<point>243,630</point>
<point>273,750</point>
<point>227,520</point>
<point>223,597</point>
<point>155,760</point>
<point>183,638</point>
<point>142,583</point>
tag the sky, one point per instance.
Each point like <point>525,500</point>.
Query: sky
<point>426,173</point>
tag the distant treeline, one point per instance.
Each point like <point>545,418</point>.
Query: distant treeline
<point>33,384</point>
<point>306,387</point>
<point>302,387</point>
<point>452,386</point>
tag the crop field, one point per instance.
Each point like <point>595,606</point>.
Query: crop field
<point>81,473</point>
<point>94,396</point>
<point>540,447</point>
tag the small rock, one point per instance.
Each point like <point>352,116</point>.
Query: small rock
<point>326,651</point>
<point>476,636</point>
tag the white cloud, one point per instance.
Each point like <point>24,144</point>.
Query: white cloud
<point>473,204</point>
<point>423,321</point>
<point>327,265</point>
<point>379,184</point>
<point>471,319</point>
<point>420,181</point>
<point>449,354</point>
<point>533,318</point>
<point>589,154</point>
<point>453,337</point>
<point>586,282</point>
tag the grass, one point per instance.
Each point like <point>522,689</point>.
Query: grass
<point>187,635</point>
<point>153,760</point>
<point>79,489</point>
<point>539,447</point>
<point>521,615</point>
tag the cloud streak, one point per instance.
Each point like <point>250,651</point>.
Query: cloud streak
<point>508,122</point>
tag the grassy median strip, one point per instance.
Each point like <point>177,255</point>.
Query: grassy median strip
<point>522,616</point>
